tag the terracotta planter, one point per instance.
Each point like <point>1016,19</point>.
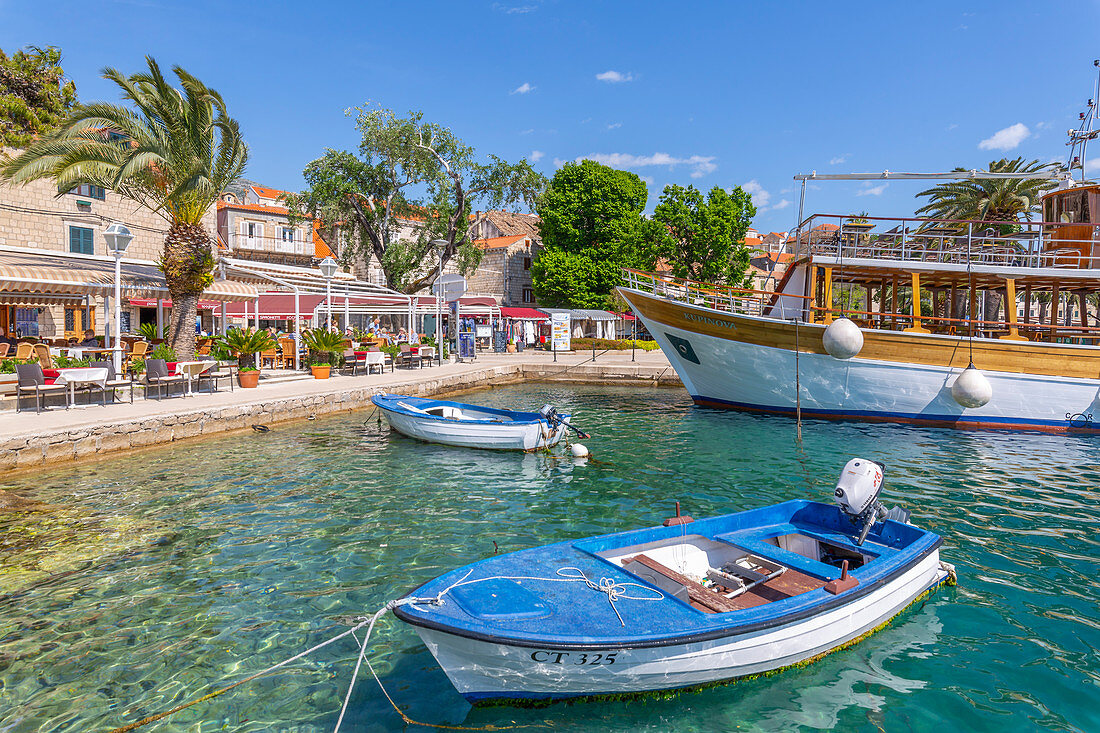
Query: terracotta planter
<point>248,380</point>
<point>511,348</point>
<point>320,371</point>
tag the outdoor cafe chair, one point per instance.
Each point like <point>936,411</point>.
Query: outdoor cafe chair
<point>355,360</point>
<point>408,358</point>
<point>24,350</point>
<point>138,350</point>
<point>113,383</point>
<point>213,376</point>
<point>33,381</point>
<point>4,349</point>
<point>156,375</point>
<point>42,353</point>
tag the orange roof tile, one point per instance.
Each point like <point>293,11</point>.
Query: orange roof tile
<point>254,207</point>
<point>320,247</point>
<point>267,193</point>
<point>498,242</point>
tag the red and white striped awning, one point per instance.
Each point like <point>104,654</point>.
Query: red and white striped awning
<point>36,272</point>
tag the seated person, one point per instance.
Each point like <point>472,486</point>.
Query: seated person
<point>414,338</point>
<point>90,341</point>
<point>402,337</point>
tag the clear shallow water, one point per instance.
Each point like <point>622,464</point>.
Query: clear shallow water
<point>200,564</point>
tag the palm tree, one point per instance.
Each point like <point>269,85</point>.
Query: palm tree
<point>173,152</point>
<point>986,199</point>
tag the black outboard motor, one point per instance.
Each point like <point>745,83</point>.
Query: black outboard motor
<point>857,492</point>
<point>550,414</point>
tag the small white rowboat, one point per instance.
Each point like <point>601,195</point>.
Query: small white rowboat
<point>472,426</point>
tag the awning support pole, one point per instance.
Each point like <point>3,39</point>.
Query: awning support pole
<point>297,330</point>
<point>160,317</point>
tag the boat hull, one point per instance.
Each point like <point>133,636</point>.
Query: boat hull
<point>724,362</point>
<point>484,671</point>
<point>469,426</point>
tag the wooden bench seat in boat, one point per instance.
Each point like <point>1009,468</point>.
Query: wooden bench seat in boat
<point>790,583</point>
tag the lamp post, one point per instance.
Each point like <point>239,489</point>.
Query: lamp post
<point>118,238</point>
<point>441,245</point>
<point>328,269</point>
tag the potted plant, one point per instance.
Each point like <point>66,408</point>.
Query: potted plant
<point>246,343</point>
<point>511,346</point>
<point>323,346</point>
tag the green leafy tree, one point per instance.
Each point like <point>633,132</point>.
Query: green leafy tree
<point>985,199</point>
<point>591,227</point>
<point>704,238</point>
<point>408,169</point>
<point>34,94</point>
<point>172,151</point>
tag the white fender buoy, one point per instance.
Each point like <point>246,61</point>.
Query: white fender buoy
<point>971,388</point>
<point>578,450</point>
<point>842,339</point>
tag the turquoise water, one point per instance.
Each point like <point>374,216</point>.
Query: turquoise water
<point>187,567</point>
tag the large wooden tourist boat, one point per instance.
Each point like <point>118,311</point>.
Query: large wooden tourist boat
<point>930,297</point>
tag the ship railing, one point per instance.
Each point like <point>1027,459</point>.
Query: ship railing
<point>1017,244</point>
<point>1024,326</point>
<point>742,301</point>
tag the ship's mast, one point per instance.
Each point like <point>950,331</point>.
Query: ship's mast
<point>1079,138</point>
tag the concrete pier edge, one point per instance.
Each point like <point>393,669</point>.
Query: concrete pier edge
<point>91,442</point>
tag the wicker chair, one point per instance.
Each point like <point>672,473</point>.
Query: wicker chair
<point>42,353</point>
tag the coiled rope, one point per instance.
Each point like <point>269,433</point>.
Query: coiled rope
<point>612,589</point>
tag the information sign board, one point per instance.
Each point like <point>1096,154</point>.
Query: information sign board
<point>559,331</point>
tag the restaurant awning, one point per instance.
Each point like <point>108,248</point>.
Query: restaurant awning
<point>523,314</point>
<point>32,272</point>
<point>585,314</point>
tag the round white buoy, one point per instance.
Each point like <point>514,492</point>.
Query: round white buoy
<point>971,388</point>
<point>579,450</point>
<point>842,339</point>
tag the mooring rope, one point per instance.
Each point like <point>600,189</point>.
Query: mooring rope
<point>611,588</point>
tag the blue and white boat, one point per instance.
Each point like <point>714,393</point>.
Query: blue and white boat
<point>472,426</point>
<point>682,605</point>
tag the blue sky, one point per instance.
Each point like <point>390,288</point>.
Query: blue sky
<point>710,94</point>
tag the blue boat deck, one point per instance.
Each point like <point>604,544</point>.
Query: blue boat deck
<point>521,598</point>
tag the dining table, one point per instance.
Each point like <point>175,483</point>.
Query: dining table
<point>81,375</point>
<point>192,370</point>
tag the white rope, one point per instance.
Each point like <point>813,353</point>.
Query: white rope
<point>362,653</point>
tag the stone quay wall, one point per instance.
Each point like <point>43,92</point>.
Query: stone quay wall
<point>88,442</point>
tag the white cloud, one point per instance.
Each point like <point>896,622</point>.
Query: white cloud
<point>558,162</point>
<point>838,159</point>
<point>614,125</point>
<point>537,155</point>
<point>1006,139</point>
<point>952,126</point>
<point>701,165</point>
<point>515,9</point>
<point>528,131</point>
<point>782,205</point>
<point>1090,165</point>
<point>523,88</point>
<point>1041,125</point>
<point>586,120</point>
<point>760,196</point>
<point>869,190</point>
<point>614,77</point>
<point>648,180</point>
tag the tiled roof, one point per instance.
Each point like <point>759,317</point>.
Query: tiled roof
<point>510,223</point>
<point>254,207</point>
<point>321,250</point>
<point>267,193</point>
<point>498,242</point>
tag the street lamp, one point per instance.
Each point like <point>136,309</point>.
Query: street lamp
<point>441,245</point>
<point>118,238</point>
<point>328,269</point>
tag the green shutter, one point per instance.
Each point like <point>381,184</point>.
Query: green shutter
<point>81,240</point>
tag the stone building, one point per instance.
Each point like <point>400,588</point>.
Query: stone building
<point>505,270</point>
<point>36,222</point>
<point>253,224</point>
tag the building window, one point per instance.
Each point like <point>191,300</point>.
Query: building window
<point>528,295</point>
<point>288,234</point>
<point>526,263</point>
<point>26,321</point>
<point>82,240</point>
<point>92,192</point>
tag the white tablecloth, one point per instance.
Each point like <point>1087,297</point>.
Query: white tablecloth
<point>427,352</point>
<point>192,369</point>
<point>82,375</point>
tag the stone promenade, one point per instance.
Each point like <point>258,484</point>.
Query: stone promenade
<point>29,439</point>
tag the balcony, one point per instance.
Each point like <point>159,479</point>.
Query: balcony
<point>273,245</point>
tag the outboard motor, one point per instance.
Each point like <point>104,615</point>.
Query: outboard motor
<point>550,414</point>
<point>857,492</point>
